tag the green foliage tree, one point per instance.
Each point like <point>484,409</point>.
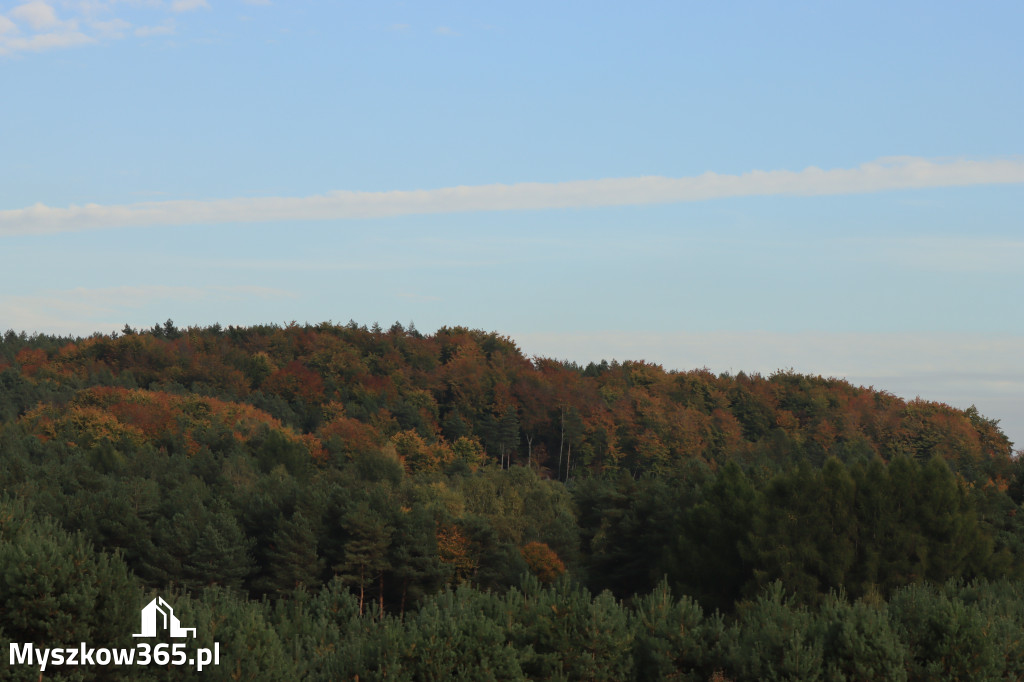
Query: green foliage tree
<point>413,557</point>
<point>292,559</point>
<point>773,639</point>
<point>947,638</point>
<point>672,639</point>
<point>55,590</point>
<point>368,537</point>
<point>708,556</point>
<point>859,641</point>
<point>565,633</point>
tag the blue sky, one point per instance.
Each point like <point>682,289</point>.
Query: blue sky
<point>832,187</point>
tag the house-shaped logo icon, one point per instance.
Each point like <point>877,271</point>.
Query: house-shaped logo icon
<point>159,613</point>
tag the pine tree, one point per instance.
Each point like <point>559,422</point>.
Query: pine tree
<point>365,553</point>
<point>56,590</point>
<point>292,557</point>
<point>414,559</point>
<point>222,554</point>
<point>711,555</point>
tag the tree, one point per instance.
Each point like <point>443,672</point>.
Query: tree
<point>366,551</point>
<point>56,590</point>
<point>573,635</point>
<point>773,639</point>
<point>571,431</point>
<point>292,557</point>
<point>803,534</point>
<point>221,553</point>
<point>508,435</point>
<point>414,559</point>
<point>672,639</point>
<point>710,554</point>
<point>543,562</point>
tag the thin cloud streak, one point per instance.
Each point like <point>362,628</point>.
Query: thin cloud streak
<point>878,176</point>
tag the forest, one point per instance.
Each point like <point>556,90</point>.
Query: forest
<point>338,502</point>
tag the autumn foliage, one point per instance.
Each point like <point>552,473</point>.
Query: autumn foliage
<point>542,561</point>
<point>469,396</point>
<point>136,416</point>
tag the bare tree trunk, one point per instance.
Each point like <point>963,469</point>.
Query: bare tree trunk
<point>568,462</point>
<point>561,442</point>
<point>382,595</point>
<point>362,588</point>
<point>529,451</point>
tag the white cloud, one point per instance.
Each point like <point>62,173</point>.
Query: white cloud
<point>256,2</point>
<point>114,28</point>
<point>36,14</point>
<point>877,176</point>
<point>90,7</point>
<point>39,25</point>
<point>446,31</point>
<point>45,41</point>
<point>188,5</point>
<point>165,29</point>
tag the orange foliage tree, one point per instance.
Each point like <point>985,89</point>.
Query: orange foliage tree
<point>454,550</point>
<point>542,561</point>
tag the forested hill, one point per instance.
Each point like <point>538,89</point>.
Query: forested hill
<point>461,395</point>
<point>442,507</point>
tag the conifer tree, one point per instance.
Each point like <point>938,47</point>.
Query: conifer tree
<point>56,590</point>
<point>222,554</point>
<point>710,554</point>
<point>414,559</point>
<point>365,551</point>
<point>292,559</point>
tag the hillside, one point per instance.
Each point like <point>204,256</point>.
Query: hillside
<point>346,390</point>
<point>409,480</point>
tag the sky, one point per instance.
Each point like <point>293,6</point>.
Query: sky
<point>834,188</point>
